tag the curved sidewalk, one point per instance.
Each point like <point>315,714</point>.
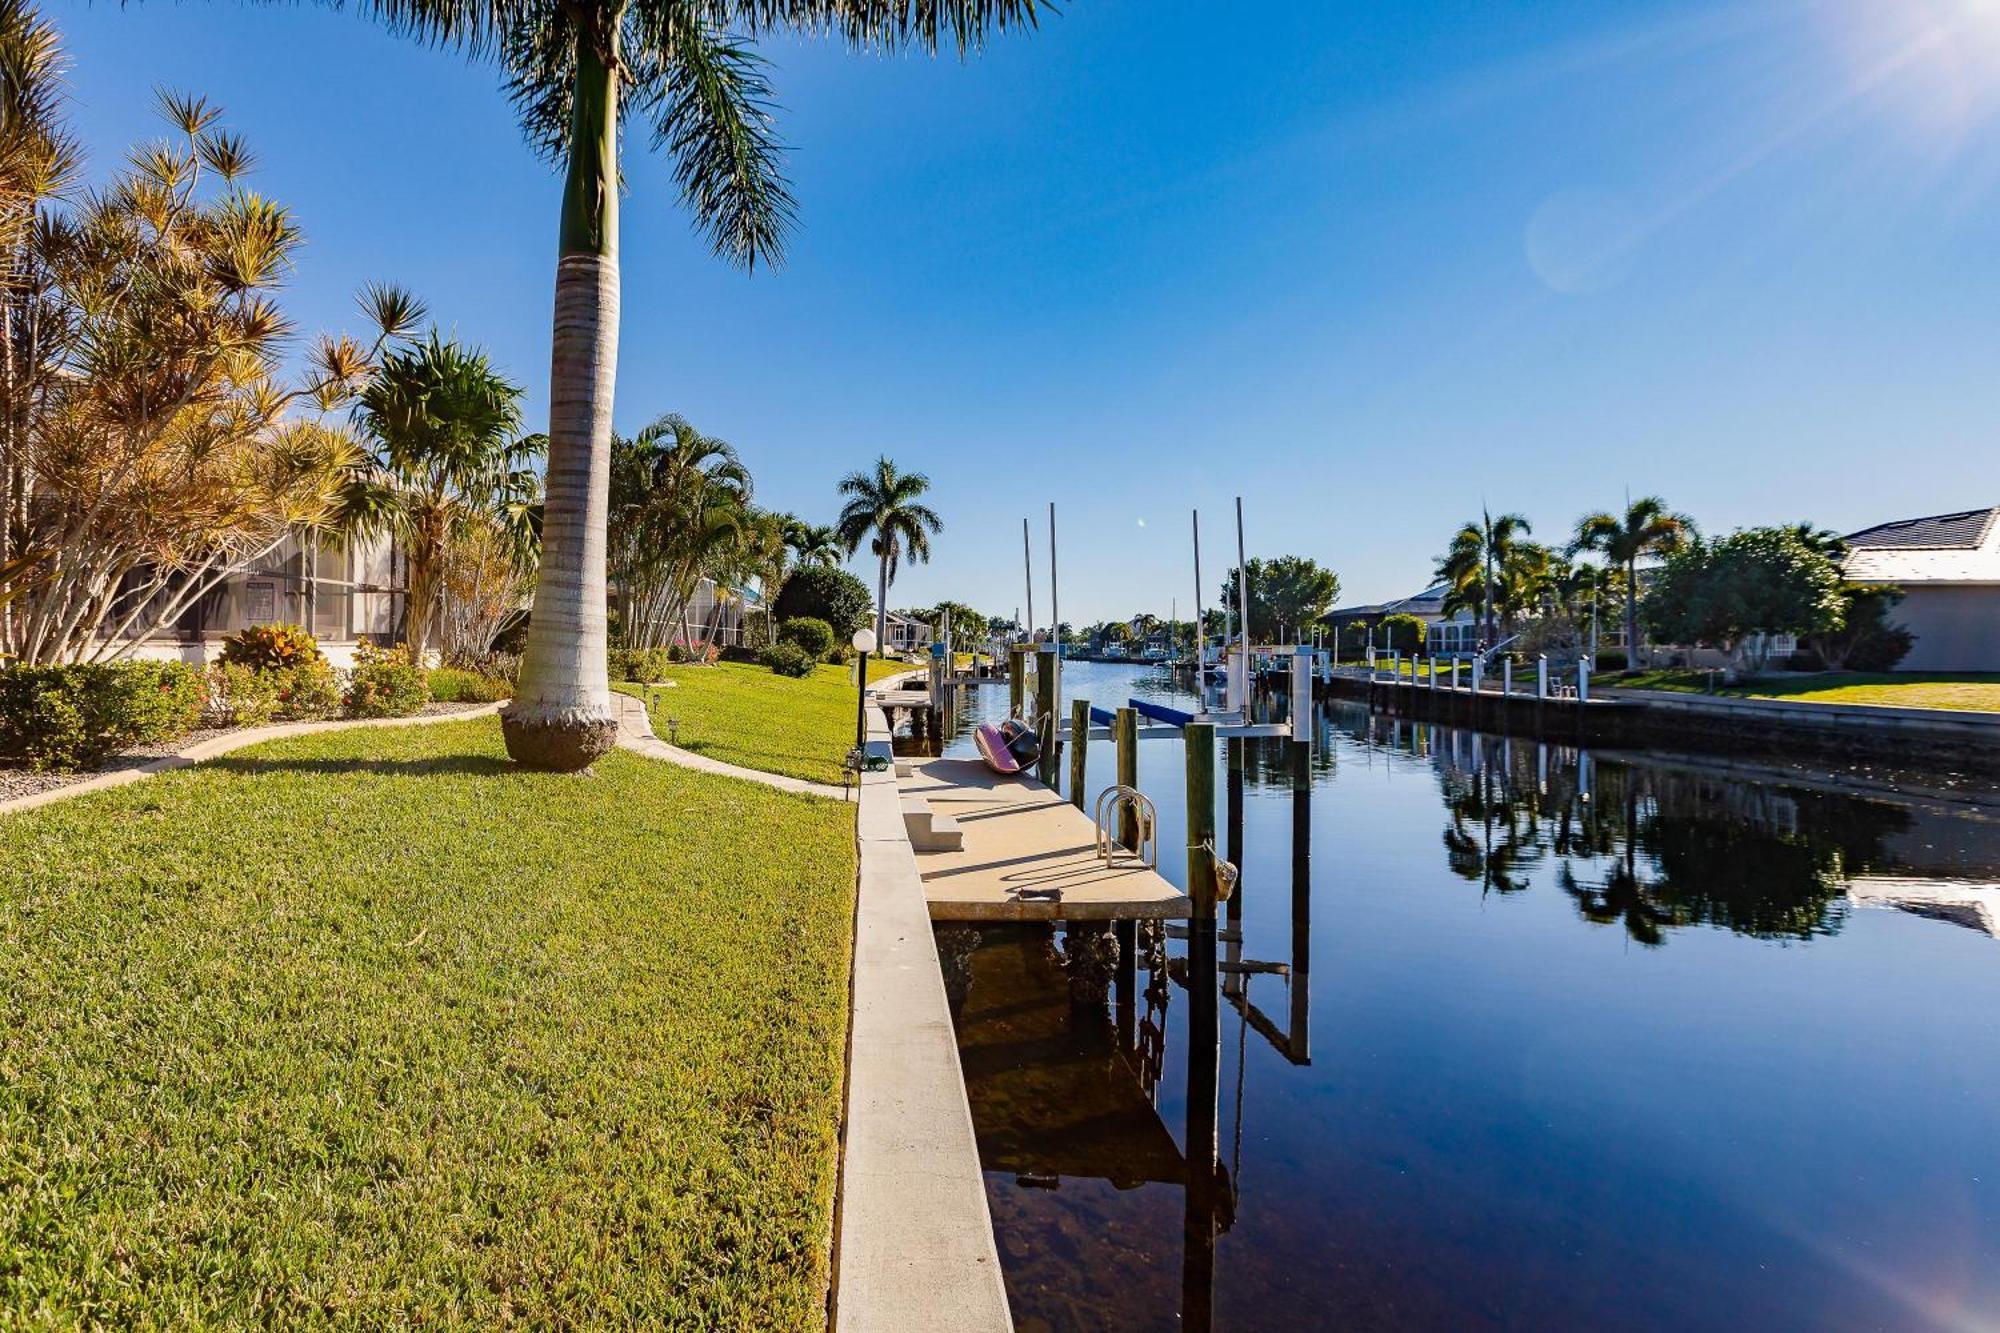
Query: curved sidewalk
<point>217,746</point>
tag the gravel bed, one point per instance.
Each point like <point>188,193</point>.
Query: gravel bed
<point>19,782</point>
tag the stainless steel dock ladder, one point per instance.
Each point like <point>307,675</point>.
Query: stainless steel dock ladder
<point>1113,801</point>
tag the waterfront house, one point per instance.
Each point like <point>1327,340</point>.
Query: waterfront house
<point>1444,634</point>
<point>346,591</point>
<point>1948,566</point>
<point>907,634</point>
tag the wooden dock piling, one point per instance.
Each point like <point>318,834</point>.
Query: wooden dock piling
<point>1045,715</point>
<point>1079,748</point>
<point>1199,739</point>
<point>1125,730</point>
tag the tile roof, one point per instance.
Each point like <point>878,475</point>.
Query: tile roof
<point>1944,548</point>
<point>1940,532</point>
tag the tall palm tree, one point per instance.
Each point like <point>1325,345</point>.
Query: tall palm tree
<point>1647,528</point>
<point>813,544</point>
<point>882,510</point>
<point>689,68</point>
<point>1469,565</point>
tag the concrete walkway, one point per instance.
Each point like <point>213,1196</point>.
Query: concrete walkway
<point>221,745</point>
<point>914,1239</point>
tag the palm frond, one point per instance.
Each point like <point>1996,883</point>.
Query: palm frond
<point>709,101</point>
<point>885,25</point>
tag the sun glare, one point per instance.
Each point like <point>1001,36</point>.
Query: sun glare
<point>1933,64</point>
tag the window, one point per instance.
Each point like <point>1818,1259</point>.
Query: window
<point>260,602</point>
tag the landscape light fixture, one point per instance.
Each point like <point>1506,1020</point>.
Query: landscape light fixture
<point>864,644</point>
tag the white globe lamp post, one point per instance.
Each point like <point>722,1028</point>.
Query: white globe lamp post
<point>864,644</point>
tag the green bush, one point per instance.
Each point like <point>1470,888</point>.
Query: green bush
<point>641,665</point>
<point>241,696</point>
<point>71,717</point>
<point>1612,659</point>
<point>386,683</point>
<point>788,659</point>
<point>308,690</point>
<point>271,648</point>
<point>832,595</point>
<point>452,685</point>
<point>810,633</point>
<point>838,654</point>
<point>1401,632</point>
<point>676,654</point>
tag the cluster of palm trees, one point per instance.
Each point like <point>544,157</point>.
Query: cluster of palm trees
<point>1492,569</point>
<point>683,510</point>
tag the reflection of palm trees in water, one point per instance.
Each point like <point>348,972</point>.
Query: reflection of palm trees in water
<point>1625,896</point>
<point>1654,849</point>
<point>1492,839</point>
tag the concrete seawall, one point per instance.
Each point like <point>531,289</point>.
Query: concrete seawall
<point>1722,723</point>
<point>914,1240</point>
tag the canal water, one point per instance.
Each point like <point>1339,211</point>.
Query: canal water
<point>1511,1035</point>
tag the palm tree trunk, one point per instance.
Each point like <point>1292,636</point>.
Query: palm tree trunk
<point>1632,615</point>
<point>561,717</point>
<point>882,607</point>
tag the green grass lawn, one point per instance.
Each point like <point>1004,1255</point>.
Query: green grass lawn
<point>1972,691</point>
<point>372,1029</point>
<point>743,713</point>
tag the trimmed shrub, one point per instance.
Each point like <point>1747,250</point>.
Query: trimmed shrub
<point>71,717</point>
<point>788,659</point>
<point>810,633</point>
<point>308,690</point>
<point>386,683</point>
<point>453,685</point>
<point>271,648</point>
<point>839,654</point>
<point>832,595</point>
<point>641,665</point>
<point>241,696</point>
<point>1612,659</point>
<point>676,654</point>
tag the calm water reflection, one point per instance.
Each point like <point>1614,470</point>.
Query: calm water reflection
<point>1509,1035</point>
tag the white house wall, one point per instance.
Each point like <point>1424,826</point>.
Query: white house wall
<point>1957,627</point>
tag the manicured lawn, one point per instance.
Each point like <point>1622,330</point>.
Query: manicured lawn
<point>1972,691</point>
<point>371,1030</point>
<point>746,714</point>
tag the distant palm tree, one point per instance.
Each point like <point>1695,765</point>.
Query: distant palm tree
<point>1468,566</point>
<point>882,510</point>
<point>813,544</point>
<point>1647,528</point>
<point>689,70</point>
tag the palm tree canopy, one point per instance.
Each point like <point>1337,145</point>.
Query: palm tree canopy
<point>1647,527</point>
<point>813,543</point>
<point>441,417</point>
<point>687,68</point>
<point>882,510</point>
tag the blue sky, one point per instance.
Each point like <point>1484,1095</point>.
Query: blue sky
<point>1366,265</point>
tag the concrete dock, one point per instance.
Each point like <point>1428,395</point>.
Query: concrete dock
<point>1015,835</point>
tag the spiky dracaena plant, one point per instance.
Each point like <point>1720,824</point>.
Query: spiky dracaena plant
<point>882,510</point>
<point>690,69</point>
